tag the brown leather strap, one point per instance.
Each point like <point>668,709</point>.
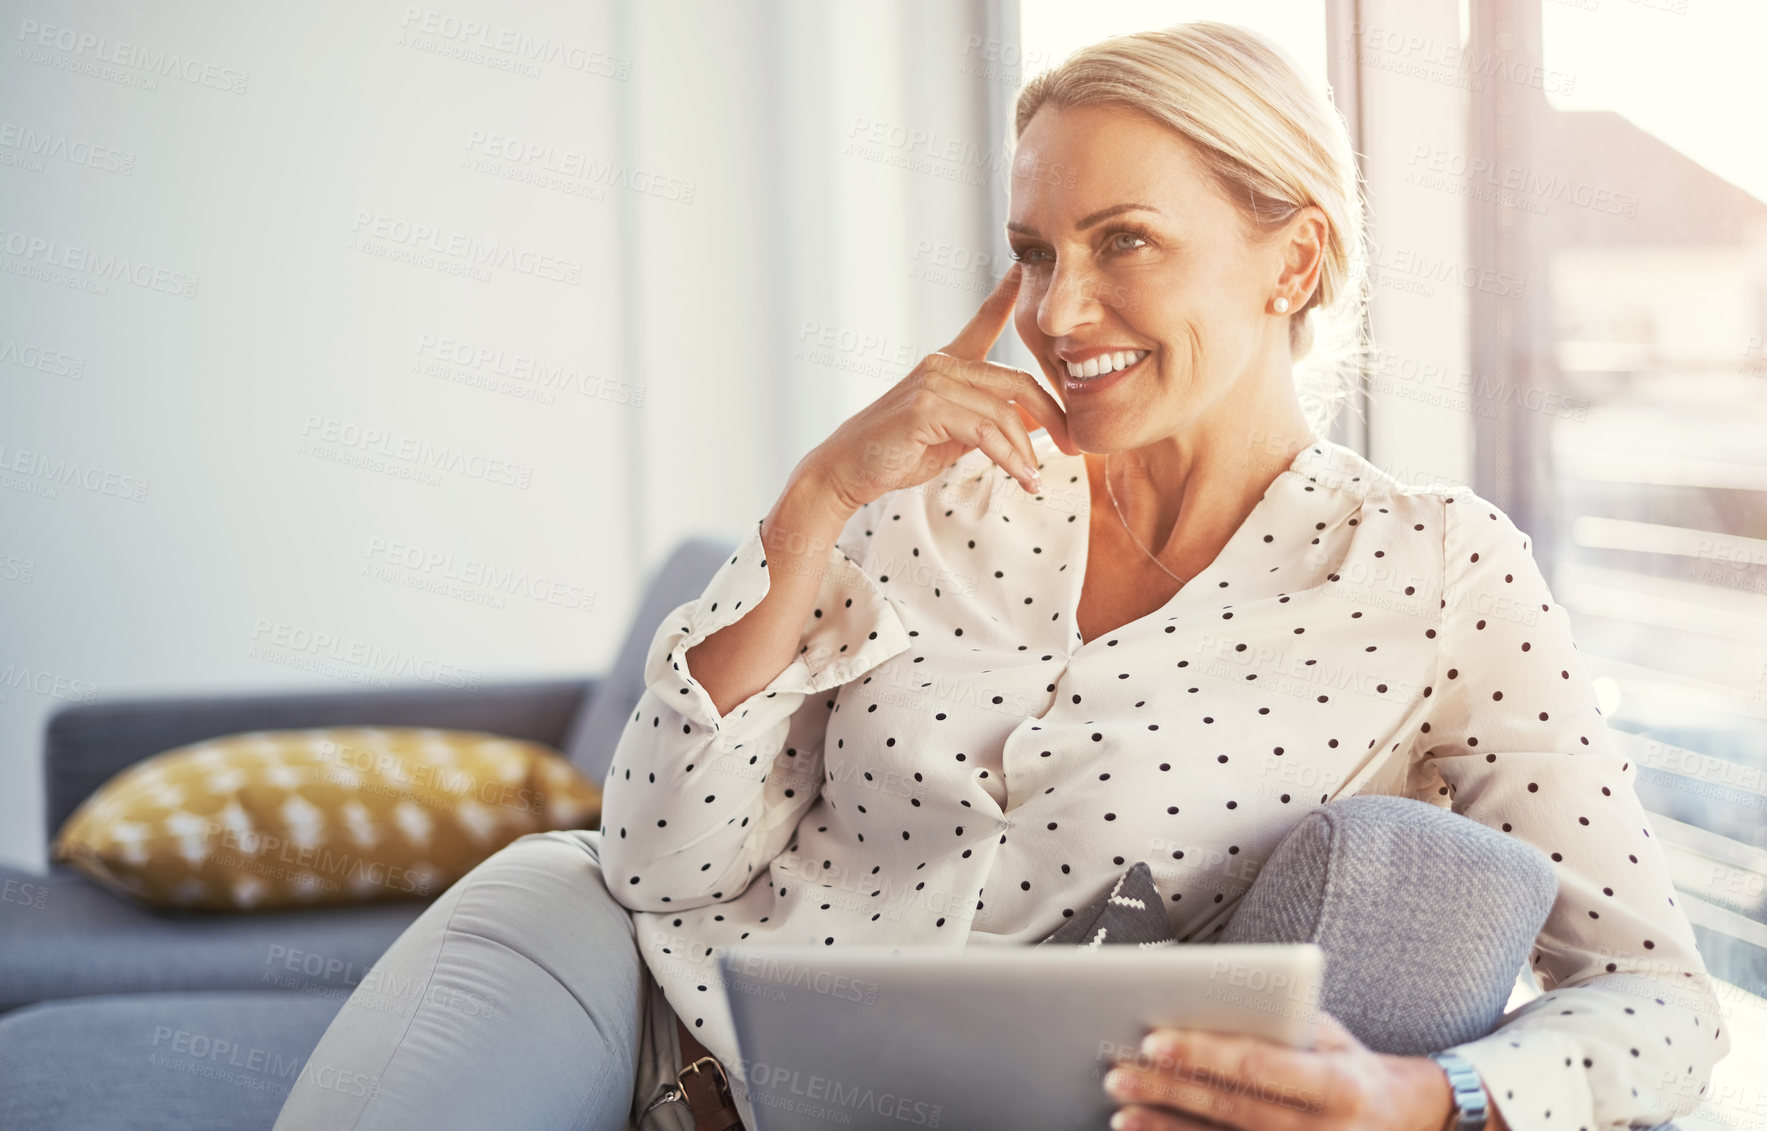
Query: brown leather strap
<point>705,1086</point>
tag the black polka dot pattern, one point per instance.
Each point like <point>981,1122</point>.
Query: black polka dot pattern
<point>947,762</point>
<point>1513,737</point>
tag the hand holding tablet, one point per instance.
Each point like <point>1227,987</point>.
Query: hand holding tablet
<point>991,1037</point>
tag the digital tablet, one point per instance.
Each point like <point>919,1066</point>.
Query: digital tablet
<point>988,1037</point>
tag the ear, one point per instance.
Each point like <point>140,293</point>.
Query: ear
<point>1303,252</point>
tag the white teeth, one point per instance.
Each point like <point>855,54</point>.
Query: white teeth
<point>1104,363</point>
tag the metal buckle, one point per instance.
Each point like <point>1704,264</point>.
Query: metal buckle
<point>723,1080</point>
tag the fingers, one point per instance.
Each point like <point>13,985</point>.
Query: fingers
<point>1136,1085</point>
<point>973,342</point>
<point>954,421</point>
<point>1229,1078</point>
<point>1036,407</point>
<point>1036,403</point>
<point>1030,422</point>
<point>1182,1102</point>
<point>1136,1117</point>
<point>985,403</point>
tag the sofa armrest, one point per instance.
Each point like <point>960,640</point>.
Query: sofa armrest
<point>86,744</point>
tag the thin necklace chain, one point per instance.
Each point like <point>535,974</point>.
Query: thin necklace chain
<point>1118,508</point>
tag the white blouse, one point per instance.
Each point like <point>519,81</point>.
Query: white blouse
<point>946,762</point>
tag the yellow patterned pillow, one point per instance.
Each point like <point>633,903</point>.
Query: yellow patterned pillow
<point>304,817</point>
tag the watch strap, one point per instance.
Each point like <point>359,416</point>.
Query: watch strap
<point>1472,1110</point>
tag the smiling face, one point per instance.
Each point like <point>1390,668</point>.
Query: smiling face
<point>1143,275</point>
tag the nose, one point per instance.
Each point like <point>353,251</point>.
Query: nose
<point>1068,302</point>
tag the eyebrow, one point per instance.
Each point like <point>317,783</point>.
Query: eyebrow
<point>1087,222</point>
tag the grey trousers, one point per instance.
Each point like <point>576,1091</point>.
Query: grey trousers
<point>536,1011</point>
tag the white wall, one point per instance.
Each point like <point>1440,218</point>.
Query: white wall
<point>720,190</point>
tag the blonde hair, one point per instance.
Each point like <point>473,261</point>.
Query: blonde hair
<point>1273,141</point>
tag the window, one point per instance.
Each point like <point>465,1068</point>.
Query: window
<point>1627,431</point>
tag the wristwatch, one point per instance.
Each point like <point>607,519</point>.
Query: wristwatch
<point>1471,1112</point>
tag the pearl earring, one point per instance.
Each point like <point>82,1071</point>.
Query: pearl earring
<point>1281,305</point>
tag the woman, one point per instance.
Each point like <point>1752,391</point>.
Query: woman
<point>990,647</point>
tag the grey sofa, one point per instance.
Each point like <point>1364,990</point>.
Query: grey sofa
<point>113,1016</point>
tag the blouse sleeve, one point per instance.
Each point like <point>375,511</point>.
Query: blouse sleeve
<point>1628,1025</point>
<point>695,801</point>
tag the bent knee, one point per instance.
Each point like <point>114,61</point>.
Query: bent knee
<point>1377,848</point>
<point>1375,818</point>
<point>540,887</point>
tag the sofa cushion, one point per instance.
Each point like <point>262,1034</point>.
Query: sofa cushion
<point>292,818</point>
<point>597,728</point>
<point>192,1061</point>
<point>1129,912</point>
<point>87,744</point>
<point>64,936</point>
